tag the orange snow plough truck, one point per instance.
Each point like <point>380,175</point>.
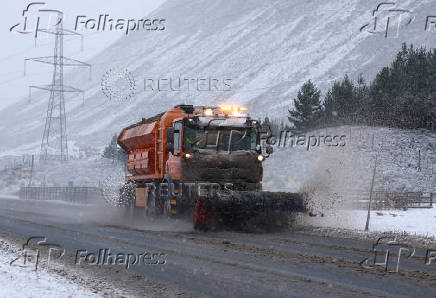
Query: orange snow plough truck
<point>205,162</point>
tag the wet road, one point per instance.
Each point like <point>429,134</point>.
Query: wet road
<point>224,263</point>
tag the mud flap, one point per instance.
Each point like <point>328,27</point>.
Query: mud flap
<point>141,197</point>
<point>204,214</point>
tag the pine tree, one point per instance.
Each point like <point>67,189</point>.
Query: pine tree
<point>361,98</point>
<point>346,102</point>
<point>343,96</point>
<point>307,108</point>
<point>329,108</point>
<point>402,94</point>
<point>112,151</point>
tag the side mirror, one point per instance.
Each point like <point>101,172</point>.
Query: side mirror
<point>271,140</point>
<point>169,147</point>
<point>269,150</point>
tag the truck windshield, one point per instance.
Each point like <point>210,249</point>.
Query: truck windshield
<point>225,139</point>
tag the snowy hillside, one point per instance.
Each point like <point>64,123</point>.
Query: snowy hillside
<point>267,48</point>
<point>406,162</point>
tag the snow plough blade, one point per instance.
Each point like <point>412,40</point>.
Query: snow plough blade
<point>258,201</point>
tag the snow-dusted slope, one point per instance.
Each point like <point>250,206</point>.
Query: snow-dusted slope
<point>406,161</point>
<point>267,48</point>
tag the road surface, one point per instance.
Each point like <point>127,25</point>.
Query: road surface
<point>223,263</point>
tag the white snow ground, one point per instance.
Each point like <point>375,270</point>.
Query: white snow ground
<point>420,222</point>
<point>25,282</point>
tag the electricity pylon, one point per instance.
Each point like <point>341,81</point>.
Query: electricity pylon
<point>54,142</point>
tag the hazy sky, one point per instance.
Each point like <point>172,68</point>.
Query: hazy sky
<point>16,47</point>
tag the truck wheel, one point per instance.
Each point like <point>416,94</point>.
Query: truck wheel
<point>204,218</point>
<point>167,209</point>
<point>152,207</point>
<point>166,202</point>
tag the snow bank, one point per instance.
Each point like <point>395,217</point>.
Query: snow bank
<point>420,222</point>
<point>25,282</point>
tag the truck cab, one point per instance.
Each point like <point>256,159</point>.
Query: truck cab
<point>219,145</point>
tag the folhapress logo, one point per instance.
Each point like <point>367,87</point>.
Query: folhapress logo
<point>32,253</point>
<point>36,17</point>
<point>106,23</point>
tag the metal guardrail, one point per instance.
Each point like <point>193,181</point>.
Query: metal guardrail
<point>381,200</point>
<point>68,194</point>
<point>396,200</point>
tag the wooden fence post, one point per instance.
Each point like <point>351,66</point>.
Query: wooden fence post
<point>370,195</point>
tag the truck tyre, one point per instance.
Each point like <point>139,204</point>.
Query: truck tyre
<point>153,208</point>
<point>167,208</point>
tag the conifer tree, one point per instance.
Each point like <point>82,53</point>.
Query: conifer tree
<point>307,108</point>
